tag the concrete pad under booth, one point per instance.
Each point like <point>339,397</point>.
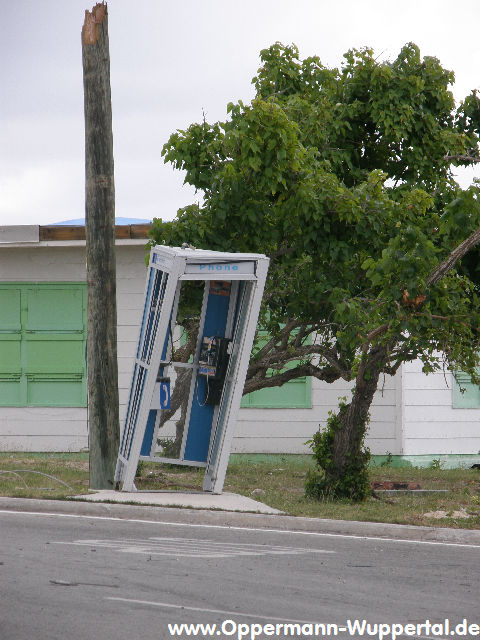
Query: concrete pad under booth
<point>198,500</point>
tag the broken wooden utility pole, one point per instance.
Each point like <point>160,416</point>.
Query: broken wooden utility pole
<point>102,365</point>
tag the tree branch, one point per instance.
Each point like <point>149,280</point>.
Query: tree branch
<point>437,274</point>
<point>308,369</point>
<point>465,157</point>
<point>458,253</point>
<point>277,358</point>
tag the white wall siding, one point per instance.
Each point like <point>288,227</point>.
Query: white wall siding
<point>42,264</point>
<point>43,429</point>
<point>287,430</point>
<point>431,424</point>
<point>40,442</point>
<point>131,276</point>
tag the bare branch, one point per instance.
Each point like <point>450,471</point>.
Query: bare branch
<point>308,369</point>
<point>376,332</point>
<point>458,253</point>
<point>278,357</point>
<point>465,157</point>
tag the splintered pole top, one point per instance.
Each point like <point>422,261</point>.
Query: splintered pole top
<point>92,19</point>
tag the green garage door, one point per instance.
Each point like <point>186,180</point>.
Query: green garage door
<point>42,345</point>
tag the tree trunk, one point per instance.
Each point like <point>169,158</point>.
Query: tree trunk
<point>349,437</point>
<point>102,362</point>
<point>338,450</point>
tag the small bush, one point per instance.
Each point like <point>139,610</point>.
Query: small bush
<point>327,482</point>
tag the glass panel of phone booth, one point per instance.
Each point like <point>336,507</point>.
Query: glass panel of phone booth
<point>166,422</point>
<point>215,314</point>
<point>195,384</point>
<point>165,429</point>
<point>241,316</point>
<point>157,284</point>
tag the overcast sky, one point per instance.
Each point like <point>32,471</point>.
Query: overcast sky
<point>170,62</point>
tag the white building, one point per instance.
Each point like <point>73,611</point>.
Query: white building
<point>42,366</point>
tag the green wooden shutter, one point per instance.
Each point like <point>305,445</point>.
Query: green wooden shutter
<point>10,347</point>
<point>55,346</point>
<point>466,394</point>
<point>295,394</point>
<point>44,364</point>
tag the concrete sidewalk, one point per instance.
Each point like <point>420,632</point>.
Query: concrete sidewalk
<point>193,500</point>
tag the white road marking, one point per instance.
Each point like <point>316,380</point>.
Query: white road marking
<point>234,528</point>
<point>238,614</point>
<point>190,548</point>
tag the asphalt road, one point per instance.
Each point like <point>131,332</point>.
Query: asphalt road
<point>82,577</point>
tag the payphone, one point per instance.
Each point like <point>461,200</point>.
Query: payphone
<point>212,364</point>
<point>183,411</point>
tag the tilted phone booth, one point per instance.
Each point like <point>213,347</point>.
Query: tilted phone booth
<point>185,412</point>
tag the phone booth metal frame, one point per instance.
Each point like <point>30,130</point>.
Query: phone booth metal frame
<point>234,284</point>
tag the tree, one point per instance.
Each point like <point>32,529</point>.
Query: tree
<point>344,178</point>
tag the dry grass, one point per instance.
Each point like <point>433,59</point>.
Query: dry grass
<point>283,486</point>
<point>47,475</point>
<point>277,481</point>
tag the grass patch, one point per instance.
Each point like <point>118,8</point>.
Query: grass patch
<point>274,480</point>
<point>43,475</point>
<point>283,485</point>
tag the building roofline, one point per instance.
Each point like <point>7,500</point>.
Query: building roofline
<point>74,232</point>
<point>37,234</point>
